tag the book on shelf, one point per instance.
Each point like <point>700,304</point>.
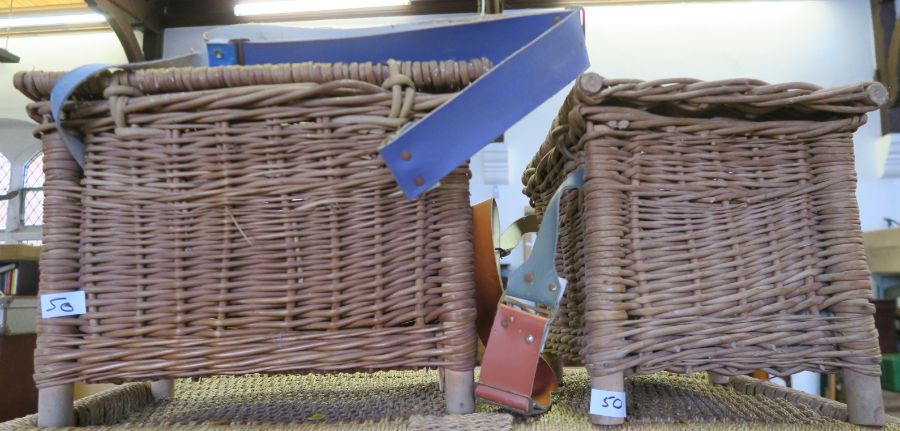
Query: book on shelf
<point>19,278</point>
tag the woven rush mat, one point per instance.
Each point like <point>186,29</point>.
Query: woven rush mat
<point>411,400</point>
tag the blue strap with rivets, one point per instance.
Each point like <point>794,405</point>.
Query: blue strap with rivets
<point>534,55</point>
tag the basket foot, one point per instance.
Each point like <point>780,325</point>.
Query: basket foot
<point>612,382</point>
<point>459,391</point>
<point>718,379</point>
<point>55,406</point>
<point>162,389</point>
<point>864,399</point>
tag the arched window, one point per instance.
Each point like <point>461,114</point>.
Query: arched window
<point>5,171</point>
<point>33,200</point>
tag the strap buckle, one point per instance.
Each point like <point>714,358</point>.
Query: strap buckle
<point>547,311</point>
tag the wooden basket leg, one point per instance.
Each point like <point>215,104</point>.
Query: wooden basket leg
<point>612,382</point>
<point>162,389</point>
<point>864,400</point>
<point>55,406</point>
<point>459,391</point>
<point>718,379</point>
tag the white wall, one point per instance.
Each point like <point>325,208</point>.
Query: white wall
<point>52,53</point>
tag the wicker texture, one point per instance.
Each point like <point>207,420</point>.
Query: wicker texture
<point>717,229</point>
<point>250,228</point>
<point>401,400</point>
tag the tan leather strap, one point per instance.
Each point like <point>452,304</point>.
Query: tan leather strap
<point>513,374</point>
<point>485,237</point>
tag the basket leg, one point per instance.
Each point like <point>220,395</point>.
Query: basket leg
<point>864,400</point>
<point>557,365</point>
<point>459,391</point>
<point>611,382</point>
<point>55,406</point>
<point>162,389</point>
<point>718,379</point>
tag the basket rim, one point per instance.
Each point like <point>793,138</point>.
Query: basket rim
<point>438,76</point>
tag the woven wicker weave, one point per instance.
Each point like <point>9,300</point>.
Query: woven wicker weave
<point>410,400</point>
<point>717,229</point>
<point>236,220</point>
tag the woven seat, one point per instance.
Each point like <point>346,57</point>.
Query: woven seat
<point>238,220</point>
<point>717,229</point>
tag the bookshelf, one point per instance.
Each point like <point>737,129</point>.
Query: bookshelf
<point>19,275</point>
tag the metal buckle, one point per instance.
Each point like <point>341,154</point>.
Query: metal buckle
<point>543,310</point>
<point>531,307</point>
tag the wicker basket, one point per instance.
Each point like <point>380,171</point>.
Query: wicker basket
<point>240,220</point>
<point>717,229</point>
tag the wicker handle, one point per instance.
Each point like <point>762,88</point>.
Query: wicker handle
<point>401,103</point>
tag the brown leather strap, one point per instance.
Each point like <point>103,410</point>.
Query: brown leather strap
<point>485,236</point>
<point>513,374</point>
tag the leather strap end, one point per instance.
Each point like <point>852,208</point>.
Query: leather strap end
<point>503,398</point>
<point>511,359</point>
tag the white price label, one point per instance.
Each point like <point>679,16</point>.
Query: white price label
<point>62,304</point>
<point>608,403</point>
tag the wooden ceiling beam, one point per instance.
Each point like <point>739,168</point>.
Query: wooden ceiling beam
<point>121,25</point>
<point>141,13</point>
<point>125,16</point>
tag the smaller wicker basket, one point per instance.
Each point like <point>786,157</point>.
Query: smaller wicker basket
<point>717,229</point>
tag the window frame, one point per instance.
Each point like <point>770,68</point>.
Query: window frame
<point>8,187</point>
<point>23,193</point>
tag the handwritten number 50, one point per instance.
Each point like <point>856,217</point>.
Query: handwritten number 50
<point>62,303</point>
<point>616,402</point>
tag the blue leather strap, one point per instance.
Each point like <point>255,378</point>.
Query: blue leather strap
<point>68,83</point>
<point>536,283</point>
<point>534,55</point>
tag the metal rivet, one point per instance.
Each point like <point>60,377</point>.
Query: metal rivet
<point>420,181</point>
<point>406,155</point>
<point>504,323</point>
<point>529,339</point>
<point>218,54</point>
<point>529,277</point>
<point>553,287</point>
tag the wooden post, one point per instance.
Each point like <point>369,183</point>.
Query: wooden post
<point>55,406</point>
<point>864,402</point>
<point>604,289</point>
<point>459,391</point>
<point>718,379</point>
<point>162,389</point>
<point>831,390</point>
<point>612,382</point>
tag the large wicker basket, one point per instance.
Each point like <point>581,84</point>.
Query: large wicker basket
<point>240,219</point>
<point>717,229</point>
